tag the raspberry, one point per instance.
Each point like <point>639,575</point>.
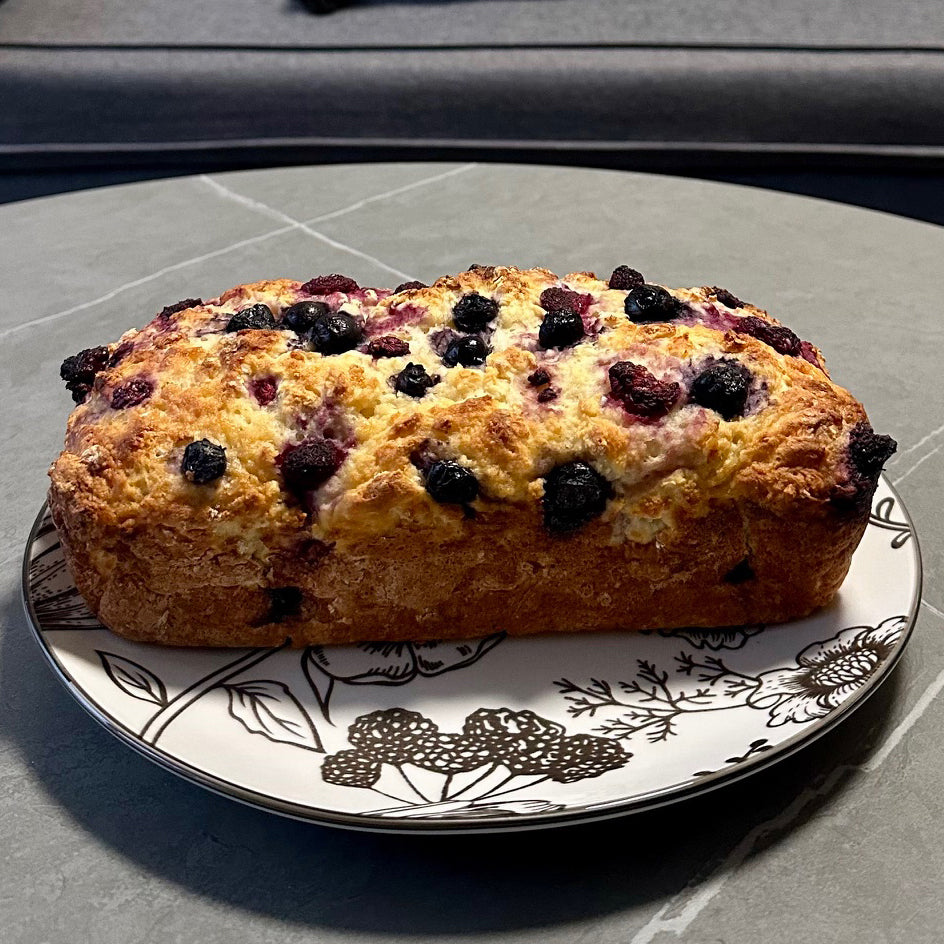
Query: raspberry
<point>409,287</point>
<point>724,296</point>
<point>560,328</point>
<point>647,303</point>
<point>284,603</point>
<point>256,317</point>
<point>203,462</point>
<point>469,351</point>
<point>335,334</point>
<point>554,299</point>
<point>473,312</point>
<point>414,381</point>
<point>310,464</point>
<point>328,284</point>
<point>640,392</point>
<point>539,377</point>
<point>723,387</point>
<point>350,769</point>
<point>388,346</point>
<point>264,389</point>
<point>301,316</point>
<point>625,278</point>
<point>165,313</point>
<point>780,338</point>
<point>574,494</point>
<point>450,483</point>
<point>79,370</point>
<point>135,391</point>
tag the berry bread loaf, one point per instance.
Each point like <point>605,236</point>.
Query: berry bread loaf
<point>501,450</point>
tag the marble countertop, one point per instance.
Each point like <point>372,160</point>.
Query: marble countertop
<point>842,842</point>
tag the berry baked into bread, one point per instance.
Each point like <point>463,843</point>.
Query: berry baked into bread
<point>501,450</point>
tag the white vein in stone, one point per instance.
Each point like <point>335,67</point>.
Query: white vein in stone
<point>918,444</point>
<point>920,462</point>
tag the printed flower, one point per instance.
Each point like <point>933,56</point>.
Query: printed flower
<point>827,673</point>
<point>396,663</point>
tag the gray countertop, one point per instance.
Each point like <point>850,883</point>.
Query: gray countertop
<point>842,842</point>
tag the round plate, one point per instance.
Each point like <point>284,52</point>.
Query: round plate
<point>496,733</point>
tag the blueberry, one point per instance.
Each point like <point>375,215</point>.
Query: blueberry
<point>135,391</point>
<point>868,451</point>
<point>301,316</point>
<point>308,465</point>
<point>561,327</point>
<point>329,284</point>
<point>640,392</point>
<point>203,462</point>
<point>335,334</point>
<point>574,494</point>
<point>723,387</point>
<point>779,337</point>
<point>473,312</point>
<point>409,287</point>
<point>647,303</point>
<point>258,317</point>
<point>469,351</point>
<point>79,370</point>
<point>450,483</point>
<point>625,278</point>
<point>387,346</point>
<point>414,381</point>
<point>284,603</point>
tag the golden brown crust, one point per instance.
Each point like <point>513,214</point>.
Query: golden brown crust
<point>160,558</point>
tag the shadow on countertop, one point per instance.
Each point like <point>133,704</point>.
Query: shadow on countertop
<point>314,876</point>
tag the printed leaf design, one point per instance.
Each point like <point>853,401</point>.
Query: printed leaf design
<point>881,517</point>
<point>133,679</point>
<point>268,708</point>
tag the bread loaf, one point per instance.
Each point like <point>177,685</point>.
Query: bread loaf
<point>501,450</point>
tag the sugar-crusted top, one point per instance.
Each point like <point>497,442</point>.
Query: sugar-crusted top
<point>674,398</point>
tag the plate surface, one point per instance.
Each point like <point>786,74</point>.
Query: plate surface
<point>493,734</point>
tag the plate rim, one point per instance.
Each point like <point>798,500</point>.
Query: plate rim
<point>366,822</point>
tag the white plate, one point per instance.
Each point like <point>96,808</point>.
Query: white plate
<point>494,734</point>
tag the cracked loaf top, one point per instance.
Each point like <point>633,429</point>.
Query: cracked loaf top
<point>325,411</point>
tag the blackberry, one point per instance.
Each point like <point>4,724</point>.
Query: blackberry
<point>780,338</point>
<point>723,387</point>
<point>553,299</point>
<point>335,334</point>
<point>120,353</point>
<point>409,287</point>
<point>79,370</point>
<point>639,392</point>
<point>560,328</point>
<point>392,735</point>
<point>521,740</point>
<point>450,483</point>
<point>647,303</point>
<point>135,391</point>
<point>574,494</point>
<point>868,451</point>
<point>473,312</point>
<point>256,317</point>
<point>724,296</point>
<point>625,278</point>
<point>414,381</point>
<point>310,464</point>
<point>302,316</point>
<point>350,769</point>
<point>539,377</point>
<point>328,284</point>
<point>387,346</point>
<point>169,310</point>
<point>469,351</point>
<point>284,603</point>
<point>203,462</point>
